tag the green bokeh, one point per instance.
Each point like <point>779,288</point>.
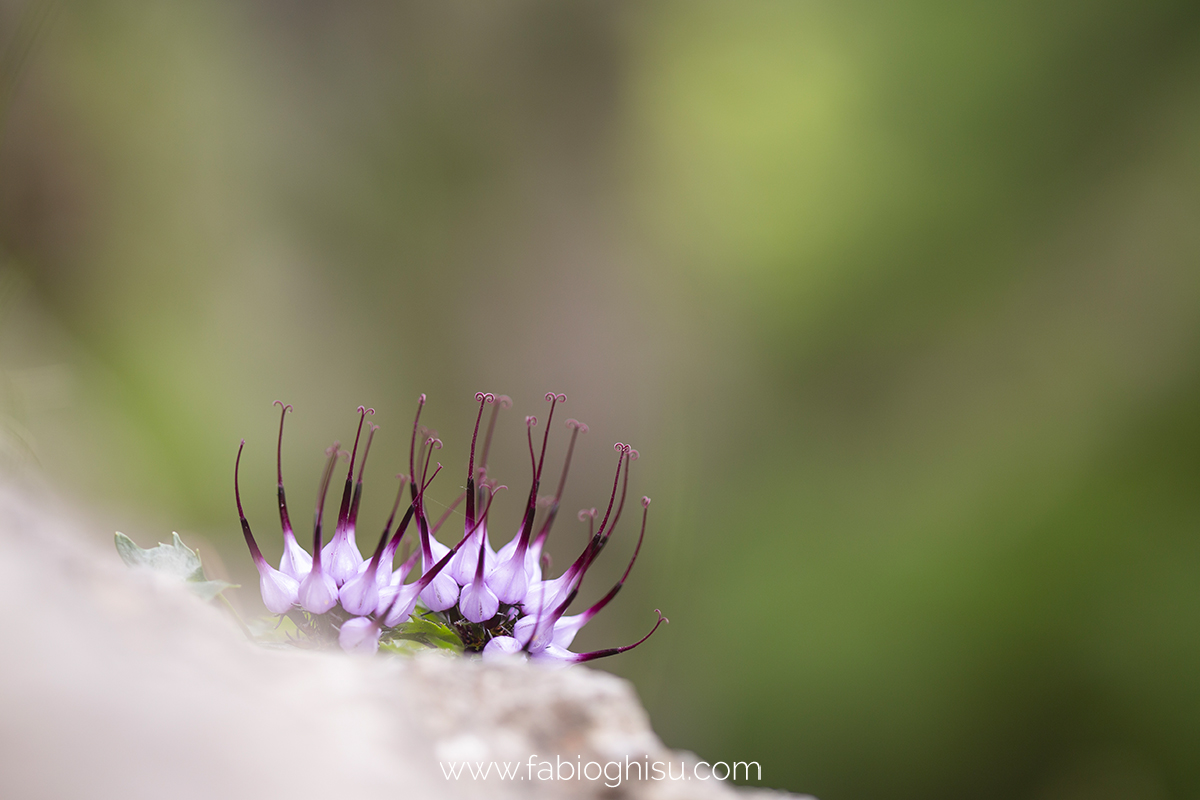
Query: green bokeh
<point>900,303</point>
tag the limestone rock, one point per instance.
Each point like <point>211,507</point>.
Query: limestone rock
<point>117,683</point>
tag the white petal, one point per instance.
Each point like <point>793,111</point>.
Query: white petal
<point>477,602</point>
<point>360,594</point>
<point>501,648</point>
<point>402,609</point>
<point>441,593</point>
<point>318,593</point>
<point>509,580</point>
<point>359,635</point>
<point>554,657</point>
<point>341,558</point>
<point>295,562</point>
<point>278,590</point>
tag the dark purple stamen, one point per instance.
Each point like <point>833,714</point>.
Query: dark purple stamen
<point>602,536</point>
<point>577,428</point>
<point>319,514</point>
<point>483,539</point>
<point>531,506</point>
<point>284,520</point>
<point>627,452</point>
<point>547,623</point>
<point>530,421</point>
<point>255,553</point>
<point>433,571</point>
<point>412,470</point>
<point>503,401</point>
<point>433,444</point>
<point>408,515</point>
<point>599,605</point>
<point>358,484</point>
<point>631,455</point>
<point>623,449</point>
<point>418,500</point>
<point>612,651</point>
<point>575,572</point>
<point>403,527</point>
<point>553,399</point>
<point>387,526</point>
<point>482,397</point>
<point>426,435</point>
<point>598,537</point>
<point>344,510</point>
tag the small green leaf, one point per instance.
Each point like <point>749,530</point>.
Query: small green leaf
<point>424,633</point>
<point>176,560</point>
<point>404,647</point>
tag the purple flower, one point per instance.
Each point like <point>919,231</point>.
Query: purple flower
<point>402,607</point>
<point>341,554</point>
<point>295,562</point>
<point>555,655</point>
<point>536,630</point>
<point>278,590</point>
<point>360,635</point>
<point>503,647</point>
<point>467,597</point>
<point>463,565</point>
<point>550,593</point>
<point>478,603</point>
<point>360,594</point>
<point>318,590</point>
<point>511,578</point>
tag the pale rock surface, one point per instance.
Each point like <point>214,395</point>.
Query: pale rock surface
<point>115,683</point>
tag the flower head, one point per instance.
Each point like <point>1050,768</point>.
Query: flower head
<point>466,596</point>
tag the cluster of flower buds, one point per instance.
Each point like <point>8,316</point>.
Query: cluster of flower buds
<point>496,602</point>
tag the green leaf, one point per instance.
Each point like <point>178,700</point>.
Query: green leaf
<point>419,633</point>
<point>176,560</point>
<point>404,647</point>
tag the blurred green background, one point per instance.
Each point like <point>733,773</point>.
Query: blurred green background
<point>900,303</point>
